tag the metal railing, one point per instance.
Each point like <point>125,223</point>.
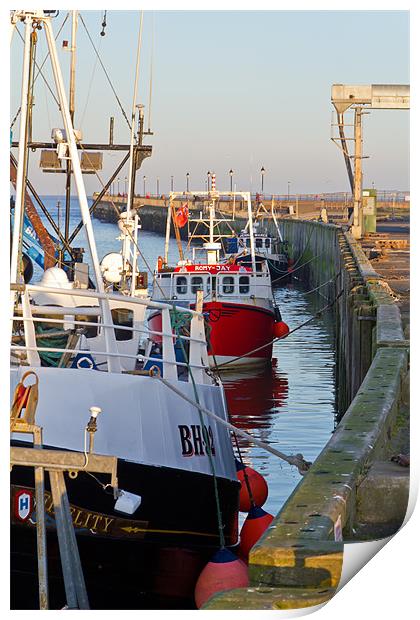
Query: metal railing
<point>67,317</point>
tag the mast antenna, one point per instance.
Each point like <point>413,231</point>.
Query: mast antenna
<point>103,25</point>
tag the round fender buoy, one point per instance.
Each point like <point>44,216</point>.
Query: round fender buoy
<point>253,528</point>
<point>280,329</point>
<point>257,483</point>
<point>224,572</point>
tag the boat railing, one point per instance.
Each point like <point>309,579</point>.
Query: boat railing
<point>71,321</point>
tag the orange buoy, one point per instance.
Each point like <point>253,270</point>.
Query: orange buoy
<point>280,329</point>
<point>224,572</point>
<point>253,528</point>
<point>159,263</point>
<point>257,484</point>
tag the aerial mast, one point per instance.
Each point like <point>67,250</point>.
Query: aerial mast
<point>72,88</point>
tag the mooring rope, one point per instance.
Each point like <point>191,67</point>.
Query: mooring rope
<point>267,344</point>
<point>322,285</point>
<point>296,460</point>
<point>204,431</point>
<point>248,486</point>
<point>292,271</point>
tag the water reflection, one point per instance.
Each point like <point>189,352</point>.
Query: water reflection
<point>291,405</point>
<point>254,398</point>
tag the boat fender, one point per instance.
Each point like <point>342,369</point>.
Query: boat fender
<point>280,329</point>
<point>257,484</point>
<point>225,571</point>
<point>253,528</point>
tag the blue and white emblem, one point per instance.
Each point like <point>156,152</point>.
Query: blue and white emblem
<point>24,504</point>
<point>84,360</point>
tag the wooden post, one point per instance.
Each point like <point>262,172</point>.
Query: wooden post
<point>74,582</point>
<point>41,537</point>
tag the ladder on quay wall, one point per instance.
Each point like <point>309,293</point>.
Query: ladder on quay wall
<point>56,462</point>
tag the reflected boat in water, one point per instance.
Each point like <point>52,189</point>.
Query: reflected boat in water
<point>254,399</point>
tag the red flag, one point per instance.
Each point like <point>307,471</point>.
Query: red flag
<point>181,215</point>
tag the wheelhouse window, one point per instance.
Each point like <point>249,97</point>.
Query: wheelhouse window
<point>248,242</point>
<point>268,243</point>
<point>90,331</point>
<point>228,285</point>
<point>124,318</point>
<point>196,284</point>
<point>243,285</point>
<point>181,285</point>
<point>258,242</point>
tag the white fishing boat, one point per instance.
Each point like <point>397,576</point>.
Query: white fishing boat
<point>269,248</point>
<point>80,334</point>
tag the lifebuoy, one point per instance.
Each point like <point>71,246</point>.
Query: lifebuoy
<point>159,263</point>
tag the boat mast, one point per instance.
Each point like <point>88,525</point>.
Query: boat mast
<point>212,248</point>
<point>74,23</point>
<point>15,275</point>
<point>251,230</point>
<point>132,163</point>
<point>113,362</point>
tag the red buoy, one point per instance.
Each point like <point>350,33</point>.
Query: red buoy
<point>224,572</point>
<point>280,329</point>
<point>253,528</point>
<point>258,486</point>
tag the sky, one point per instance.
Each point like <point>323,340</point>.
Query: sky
<point>234,90</point>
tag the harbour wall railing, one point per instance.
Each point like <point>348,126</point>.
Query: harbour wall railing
<point>352,491</point>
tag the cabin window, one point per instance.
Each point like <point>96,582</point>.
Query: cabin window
<point>228,285</point>
<point>181,285</point>
<point>258,243</point>
<point>196,284</point>
<point>267,243</point>
<point>90,331</point>
<point>244,285</point>
<point>124,318</point>
<point>248,243</point>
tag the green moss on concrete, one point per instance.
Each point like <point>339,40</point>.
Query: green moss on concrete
<point>269,598</point>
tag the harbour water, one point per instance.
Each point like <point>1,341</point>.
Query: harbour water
<point>292,404</point>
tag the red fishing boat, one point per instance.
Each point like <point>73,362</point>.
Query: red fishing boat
<point>241,315</point>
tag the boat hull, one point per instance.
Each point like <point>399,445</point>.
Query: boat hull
<point>240,335</point>
<point>175,526</point>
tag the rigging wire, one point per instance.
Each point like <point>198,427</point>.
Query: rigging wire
<point>117,211</point>
<point>106,73</point>
<point>95,64</point>
<point>149,115</point>
<point>39,68</point>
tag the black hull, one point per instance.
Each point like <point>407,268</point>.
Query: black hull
<point>157,552</point>
<point>278,269</point>
<point>118,574</point>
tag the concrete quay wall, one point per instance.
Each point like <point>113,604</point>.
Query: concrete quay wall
<point>352,491</point>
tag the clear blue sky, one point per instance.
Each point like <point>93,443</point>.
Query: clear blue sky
<point>237,90</point>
